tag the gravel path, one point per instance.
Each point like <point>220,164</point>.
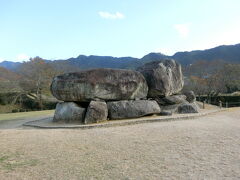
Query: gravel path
<point>204,148</point>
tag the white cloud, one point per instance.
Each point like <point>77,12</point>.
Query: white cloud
<point>1,59</point>
<point>107,15</point>
<point>22,57</point>
<point>182,29</point>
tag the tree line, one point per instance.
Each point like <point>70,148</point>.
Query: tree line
<point>212,78</point>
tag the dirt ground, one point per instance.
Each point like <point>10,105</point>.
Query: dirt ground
<point>202,148</point>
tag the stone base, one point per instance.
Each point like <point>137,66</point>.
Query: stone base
<point>97,111</point>
<point>69,112</point>
<point>132,109</point>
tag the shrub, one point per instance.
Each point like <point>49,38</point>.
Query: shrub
<point>15,110</point>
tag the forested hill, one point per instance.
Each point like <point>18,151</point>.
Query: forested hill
<point>10,65</point>
<point>7,75</point>
<point>229,53</point>
<point>86,62</point>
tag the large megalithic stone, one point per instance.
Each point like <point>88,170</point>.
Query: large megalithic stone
<point>97,111</point>
<point>132,109</point>
<point>99,84</point>
<point>164,77</point>
<point>69,112</point>
<point>191,97</point>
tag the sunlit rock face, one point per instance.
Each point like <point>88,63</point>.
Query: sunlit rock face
<point>164,78</point>
<point>100,84</point>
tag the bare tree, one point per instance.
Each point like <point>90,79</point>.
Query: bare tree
<point>37,77</point>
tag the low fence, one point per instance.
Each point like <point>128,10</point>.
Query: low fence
<point>225,101</point>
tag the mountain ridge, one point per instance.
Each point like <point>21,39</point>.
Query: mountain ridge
<point>228,53</point>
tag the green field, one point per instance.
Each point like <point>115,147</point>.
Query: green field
<point>22,115</point>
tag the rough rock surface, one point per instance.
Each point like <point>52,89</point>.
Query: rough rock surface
<point>132,109</point>
<point>97,111</point>
<point>188,108</point>
<point>164,77</point>
<point>69,112</point>
<point>170,108</point>
<point>191,97</point>
<point>103,84</point>
<point>171,100</point>
<point>181,108</point>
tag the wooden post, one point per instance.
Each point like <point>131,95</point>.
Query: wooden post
<point>209,101</point>
<point>204,104</point>
<point>220,104</point>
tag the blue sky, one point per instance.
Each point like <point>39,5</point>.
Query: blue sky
<point>59,29</point>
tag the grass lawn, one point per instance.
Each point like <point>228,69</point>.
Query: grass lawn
<point>12,116</point>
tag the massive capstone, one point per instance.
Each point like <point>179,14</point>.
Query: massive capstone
<point>100,84</point>
<point>164,77</point>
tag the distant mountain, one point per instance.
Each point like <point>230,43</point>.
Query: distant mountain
<point>10,65</point>
<point>7,75</point>
<point>87,62</point>
<point>230,53</point>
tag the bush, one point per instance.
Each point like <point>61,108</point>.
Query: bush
<point>15,110</point>
<point>7,98</point>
